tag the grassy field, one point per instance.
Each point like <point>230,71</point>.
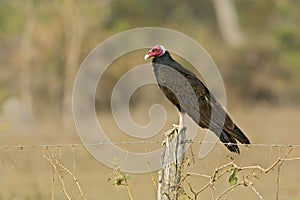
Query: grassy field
<point>26,173</point>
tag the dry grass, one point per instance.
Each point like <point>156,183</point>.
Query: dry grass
<point>26,174</point>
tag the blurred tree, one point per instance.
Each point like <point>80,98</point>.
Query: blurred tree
<point>25,53</point>
<point>228,22</point>
<point>74,30</point>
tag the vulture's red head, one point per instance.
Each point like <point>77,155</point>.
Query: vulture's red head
<point>156,51</point>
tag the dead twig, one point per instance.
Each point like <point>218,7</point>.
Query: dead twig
<point>152,175</point>
<point>60,177</point>
<point>229,189</point>
<point>58,167</point>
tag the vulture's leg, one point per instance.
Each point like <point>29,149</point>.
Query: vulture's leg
<point>179,126</point>
<point>181,120</point>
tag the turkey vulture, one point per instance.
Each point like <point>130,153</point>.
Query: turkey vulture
<point>191,96</point>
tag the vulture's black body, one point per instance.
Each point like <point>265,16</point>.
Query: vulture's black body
<point>191,96</point>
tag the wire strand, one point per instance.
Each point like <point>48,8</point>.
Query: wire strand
<point>45,146</point>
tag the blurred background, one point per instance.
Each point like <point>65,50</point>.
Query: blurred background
<point>255,44</point>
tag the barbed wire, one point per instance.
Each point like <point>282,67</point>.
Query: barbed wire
<point>73,145</point>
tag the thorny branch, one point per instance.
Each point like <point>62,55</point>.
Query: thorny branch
<point>229,167</point>
<point>58,167</point>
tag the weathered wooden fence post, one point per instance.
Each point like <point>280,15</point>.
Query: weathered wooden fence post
<point>172,164</point>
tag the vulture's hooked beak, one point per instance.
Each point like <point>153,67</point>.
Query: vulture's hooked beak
<point>148,55</point>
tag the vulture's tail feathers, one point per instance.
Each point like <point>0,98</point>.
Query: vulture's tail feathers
<point>230,137</point>
<point>229,142</point>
